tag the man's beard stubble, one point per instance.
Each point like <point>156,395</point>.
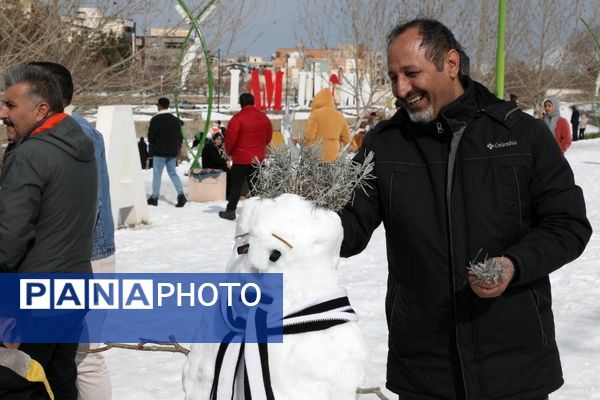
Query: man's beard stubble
<point>421,117</point>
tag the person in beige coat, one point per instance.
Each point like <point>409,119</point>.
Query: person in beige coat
<point>326,126</point>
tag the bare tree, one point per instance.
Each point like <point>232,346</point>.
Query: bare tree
<point>543,51</point>
<point>103,62</point>
<point>360,25</point>
<point>364,24</point>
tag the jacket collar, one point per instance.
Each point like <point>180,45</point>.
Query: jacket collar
<point>461,110</point>
<point>48,123</point>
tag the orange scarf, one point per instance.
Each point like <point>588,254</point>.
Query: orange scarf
<point>49,123</point>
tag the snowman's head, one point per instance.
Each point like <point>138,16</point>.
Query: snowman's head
<point>285,234</point>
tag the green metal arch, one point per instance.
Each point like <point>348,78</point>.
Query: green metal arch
<point>196,28</point>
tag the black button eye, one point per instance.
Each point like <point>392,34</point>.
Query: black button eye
<point>243,249</point>
<point>275,254</point>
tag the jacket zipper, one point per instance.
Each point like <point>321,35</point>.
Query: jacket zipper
<point>440,128</point>
<point>536,302</point>
<point>456,136</point>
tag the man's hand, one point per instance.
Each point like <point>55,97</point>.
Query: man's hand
<point>486,290</point>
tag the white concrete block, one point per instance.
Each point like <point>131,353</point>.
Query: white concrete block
<point>127,193</point>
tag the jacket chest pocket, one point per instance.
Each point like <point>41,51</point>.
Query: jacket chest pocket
<point>397,197</point>
<point>411,198</point>
<point>514,189</point>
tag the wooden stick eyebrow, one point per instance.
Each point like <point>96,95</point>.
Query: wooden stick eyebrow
<point>283,240</point>
<point>274,235</point>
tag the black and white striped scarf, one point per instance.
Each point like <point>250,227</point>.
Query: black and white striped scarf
<point>246,364</point>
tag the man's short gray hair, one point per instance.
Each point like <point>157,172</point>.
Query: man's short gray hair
<point>42,84</point>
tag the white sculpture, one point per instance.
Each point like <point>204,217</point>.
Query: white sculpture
<point>128,196</point>
<point>234,89</point>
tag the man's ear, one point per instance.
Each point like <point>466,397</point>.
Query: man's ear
<point>452,63</point>
<point>42,110</point>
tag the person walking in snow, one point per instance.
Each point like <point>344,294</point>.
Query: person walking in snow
<point>164,136</point>
<point>479,207</point>
<point>558,125</point>
<point>248,134</point>
<point>326,126</point>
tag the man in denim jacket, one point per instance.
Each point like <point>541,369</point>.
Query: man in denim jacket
<point>93,380</point>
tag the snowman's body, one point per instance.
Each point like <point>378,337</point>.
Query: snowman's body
<point>327,364</point>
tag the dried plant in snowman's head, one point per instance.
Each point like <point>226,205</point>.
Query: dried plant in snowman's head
<point>326,185</point>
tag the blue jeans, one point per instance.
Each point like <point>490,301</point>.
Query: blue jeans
<point>158,164</point>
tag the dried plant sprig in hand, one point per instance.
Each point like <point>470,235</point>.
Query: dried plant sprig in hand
<point>327,185</point>
<point>489,272</point>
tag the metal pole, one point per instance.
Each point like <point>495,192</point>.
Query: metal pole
<point>500,50</point>
<point>194,20</point>
<point>218,80</point>
<point>313,81</point>
<point>287,64</point>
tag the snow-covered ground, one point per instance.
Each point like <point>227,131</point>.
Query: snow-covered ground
<point>195,239</point>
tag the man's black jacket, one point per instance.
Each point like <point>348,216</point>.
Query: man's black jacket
<point>48,202</point>
<point>164,135</point>
<point>212,158</point>
<point>484,179</point>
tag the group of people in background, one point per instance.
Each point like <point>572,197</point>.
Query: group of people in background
<point>249,134</point>
<point>579,121</point>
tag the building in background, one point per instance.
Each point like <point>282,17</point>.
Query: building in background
<point>308,70</point>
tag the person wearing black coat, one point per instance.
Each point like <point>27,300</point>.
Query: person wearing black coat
<point>213,155</point>
<point>48,204</point>
<point>143,150</point>
<point>575,123</point>
<point>461,176</point>
<point>165,138</point>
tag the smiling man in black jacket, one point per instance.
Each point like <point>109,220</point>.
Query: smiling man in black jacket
<point>460,174</point>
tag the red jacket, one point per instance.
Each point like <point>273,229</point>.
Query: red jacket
<point>248,134</point>
<point>562,134</point>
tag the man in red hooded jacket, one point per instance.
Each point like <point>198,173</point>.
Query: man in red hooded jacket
<point>248,134</point>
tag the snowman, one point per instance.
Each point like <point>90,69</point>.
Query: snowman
<point>323,354</point>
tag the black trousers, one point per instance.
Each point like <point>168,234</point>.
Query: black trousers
<point>575,131</point>
<point>239,173</point>
<point>58,361</point>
